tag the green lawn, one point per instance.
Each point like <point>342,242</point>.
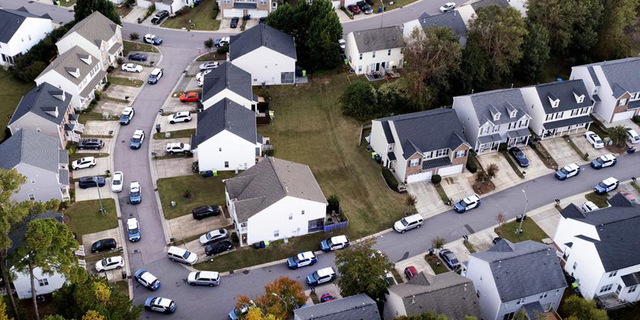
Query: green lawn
<point>436,264</point>
<point>137,46</point>
<point>126,82</point>
<point>203,191</point>
<point>599,199</point>
<point>85,217</point>
<point>396,4</point>
<point>11,91</point>
<point>200,17</point>
<point>67,3</point>
<point>530,231</point>
<point>187,133</point>
<point>90,116</point>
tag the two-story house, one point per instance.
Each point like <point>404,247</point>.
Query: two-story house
<point>558,108</point>
<point>457,20</point>
<point>375,50</point>
<point>170,5</point>
<point>511,277</point>
<point>42,161</point>
<point>358,307</point>
<point>492,118</point>
<point>230,82</point>
<point>416,146</point>
<point>77,72</point>
<point>19,31</point>
<point>241,8</point>
<point>97,35</point>
<point>600,250</point>
<point>614,87</point>
<point>275,199</point>
<point>47,109</point>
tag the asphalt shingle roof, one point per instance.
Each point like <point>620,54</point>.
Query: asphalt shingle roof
<point>621,74</point>
<point>227,76</point>
<point>43,101</point>
<point>269,181</point>
<point>17,234</point>
<point>226,115</point>
<point>70,61</point>
<point>358,307</point>
<point>95,28</point>
<point>11,20</point>
<point>258,36</point>
<point>452,20</point>
<point>563,90</point>
<point>30,147</point>
<point>378,39</point>
<point>502,101</point>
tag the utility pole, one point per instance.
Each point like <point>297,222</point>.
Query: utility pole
<point>524,214</point>
<point>382,14</point>
<point>95,179</point>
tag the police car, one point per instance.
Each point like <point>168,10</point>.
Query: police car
<point>607,160</point>
<point>137,139</point>
<point>147,280</point>
<point>302,259</point>
<point>133,230</point>
<point>334,243</point>
<point>568,171</point>
<point>159,304</point>
<point>606,185</point>
<point>135,192</point>
<point>321,276</point>
<point>466,204</point>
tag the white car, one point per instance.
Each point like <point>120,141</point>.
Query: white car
<point>131,67</point>
<point>117,181</point>
<point>589,206</point>
<point>200,77</point>
<point>632,135</point>
<point>152,39</point>
<point>204,278</point>
<point>343,44</point>
<point>110,263</point>
<point>178,147</point>
<point>182,116</point>
<point>213,235</point>
<point>222,42</point>
<point>83,163</point>
<point>594,139</point>
<point>448,7</point>
<point>209,65</point>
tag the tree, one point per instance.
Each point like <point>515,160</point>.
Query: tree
<point>410,201</point>
<point>437,243</point>
<point>613,42</point>
<point>492,171</point>
<point>501,219</point>
<point>430,316</point>
<point>209,44</point>
<point>257,314</point>
<point>28,66</point>
<point>85,8</point>
<point>3,310</point>
<point>359,101</point>
<point>394,98</point>
<point>475,71</point>
<point>92,315</point>
<point>535,50</point>
<point>281,297</point>
<point>584,34</point>
<point>580,309</point>
<point>362,269</point>
<point>133,36</point>
<point>557,17</point>
<point>618,135</point>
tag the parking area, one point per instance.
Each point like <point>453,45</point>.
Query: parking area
<point>102,165</point>
<point>458,186</point>
<point>186,226</point>
<point>536,167</point>
<point>89,239</point>
<point>118,73</point>
<point>174,167</point>
<point>165,126</point>
<point>159,146</point>
<point>330,288</point>
<point>225,25</point>
<point>418,262</point>
<point>562,151</point>
<point>173,105</point>
<point>110,109</point>
<point>107,147</point>
<point>100,128</point>
<point>505,177</point>
<point>152,58</point>
<point>122,92</point>
<point>428,202</point>
<point>93,193</point>
<point>584,145</point>
<point>189,83</point>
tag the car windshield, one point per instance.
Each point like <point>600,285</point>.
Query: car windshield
<point>315,275</point>
<point>134,139</point>
<point>564,170</point>
<point>462,203</point>
<point>404,222</point>
<point>135,193</point>
<point>152,76</point>
<point>186,254</point>
<point>329,243</point>
<point>133,231</point>
<point>295,258</point>
<point>600,160</point>
<point>117,182</point>
<point>602,184</point>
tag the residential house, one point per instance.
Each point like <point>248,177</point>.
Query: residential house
<point>226,138</point>
<point>448,293</point>
<point>97,35</point>
<point>558,108</point>
<point>614,87</point>
<point>42,161</point>
<point>170,5</point>
<point>375,50</point>
<point>230,82</point>
<point>457,20</point>
<point>19,31</point>
<point>514,277</point>
<point>520,5</point>
<point>268,54</point>
<point>275,199</point>
<point>492,118</point>
<point>241,8</point>
<point>47,109</point>
<point>600,250</point>
<point>417,145</point>
<point>356,307</point>
<point>76,72</point>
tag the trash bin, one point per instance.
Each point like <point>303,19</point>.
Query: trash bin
<point>631,150</point>
<point>379,10</point>
<point>158,128</point>
<point>124,275</point>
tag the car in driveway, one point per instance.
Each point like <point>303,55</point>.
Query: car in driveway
<point>449,259</point>
<point>137,139</point>
<point>354,9</point>
<point>520,157</point>
<point>155,76</point>
<point>364,7</point>
<point>83,163</point>
<point>327,297</point>
<point>127,115</point>
<point>302,259</point>
<point>466,204</point>
<point>334,243</point>
<point>200,77</point>
<point>111,263</point>
<point>410,272</point>
<point>407,223</point>
<point>182,116</point>
<point>221,42</point>
<point>594,139</point>
<point>632,136</point>
<point>189,97</point>
<point>157,19</point>
<point>218,247</point>
<point>133,230</point>
<point>177,147</point>
<point>607,160</point>
<point>632,198</point>
<point>568,171</point>
<point>449,6</point>
<point>132,67</point>
<point>203,278</point>
<point>152,39</point>
<point>117,181</point>
<point>107,244</point>
<point>589,206</point>
<point>213,236</point>
<point>147,280</point>
<point>159,304</point>
<point>135,192</point>
<point>92,143</point>
<point>209,65</point>
<point>238,312</point>
<point>606,185</point>
<point>137,56</point>
<point>321,276</point>
<point>90,182</point>
<point>234,22</point>
<point>205,211</point>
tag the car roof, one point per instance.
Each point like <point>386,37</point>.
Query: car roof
<point>414,217</point>
<point>216,232</point>
<point>147,276</point>
<point>118,173</point>
<point>135,184</point>
<point>325,271</point>
<point>127,110</point>
<point>177,250</point>
<point>306,255</point>
<point>209,274</point>
<point>471,198</point>
<point>132,223</point>
<point>572,166</point>
<point>339,239</point>
<point>182,113</point>
<point>156,71</point>
<point>87,158</point>
<point>163,302</point>
<point>116,258</point>
<point>610,180</point>
<point>608,157</point>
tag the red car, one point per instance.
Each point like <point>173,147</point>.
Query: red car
<point>410,272</point>
<point>354,9</point>
<point>189,97</point>
<point>327,297</point>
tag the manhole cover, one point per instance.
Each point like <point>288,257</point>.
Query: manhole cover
<point>245,272</point>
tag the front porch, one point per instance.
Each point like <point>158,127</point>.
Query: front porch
<point>566,127</point>
<point>488,143</point>
<point>518,138</point>
<point>611,301</point>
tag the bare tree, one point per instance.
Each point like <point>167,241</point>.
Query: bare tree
<point>492,171</point>
<point>411,201</point>
<point>437,243</point>
<point>500,218</point>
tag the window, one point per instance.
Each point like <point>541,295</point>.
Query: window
<point>478,293</point>
<point>373,54</point>
<point>360,68</point>
<point>4,58</point>
<point>575,265</point>
<point>633,288</point>
<point>613,274</point>
<point>32,196</point>
<point>414,162</point>
<point>389,52</point>
<point>442,153</point>
<point>606,288</point>
<point>43,282</point>
<point>509,316</point>
<point>622,102</point>
<point>220,149</point>
<point>226,164</point>
<point>302,212</point>
<point>544,295</point>
<point>290,216</point>
<point>520,301</point>
<point>461,153</point>
<point>361,56</point>
<point>276,233</point>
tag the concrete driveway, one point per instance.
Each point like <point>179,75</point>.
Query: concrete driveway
<point>174,167</point>
<point>102,165</point>
<point>428,202</point>
<point>90,238</point>
<point>186,226</point>
<point>159,145</point>
<point>536,167</point>
<point>417,261</point>
<point>122,92</point>
<point>105,149</point>
<point>458,186</point>
<point>173,105</point>
<point>505,177</point>
<point>132,75</point>
<point>100,128</point>
<point>152,58</point>
<point>165,126</point>
<point>587,148</point>
<point>562,151</point>
<point>92,193</point>
<point>110,108</point>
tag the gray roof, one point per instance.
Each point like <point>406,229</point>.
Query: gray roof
<point>523,269</point>
<point>269,181</point>
<point>502,101</point>
<point>563,90</point>
<point>95,28</point>
<point>227,76</point>
<point>43,101</point>
<point>30,147</point>
<point>358,307</point>
<point>621,74</point>
<point>447,293</point>
<point>226,115</point>
<point>17,234</point>
<point>485,3</point>
<point>427,130</point>
<point>259,36</point>
<point>567,122</point>
<point>11,20</point>
<point>451,20</point>
<point>378,39</point>
<point>70,61</point>
<point>617,228</point>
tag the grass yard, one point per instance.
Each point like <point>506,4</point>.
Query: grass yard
<point>530,231</point>
<point>203,191</point>
<point>84,217</point>
<point>436,264</point>
<point>90,116</point>
<point>11,91</point>
<point>187,133</point>
<point>443,195</point>
<point>126,82</point>
<point>66,3</point>
<point>136,46</point>
<point>212,56</point>
<point>199,17</point>
<point>600,200</point>
<point>387,3</point>
<point>77,156</point>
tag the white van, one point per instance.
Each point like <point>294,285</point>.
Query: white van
<point>407,223</point>
<point>204,278</point>
<point>182,255</point>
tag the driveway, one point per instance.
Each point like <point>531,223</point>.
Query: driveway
<point>536,167</point>
<point>428,202</point>
<point>105,149</point>
<point>562,152</point>
<point>458,186</point>
<point>101,128</point>
<point>102,165</point>
<point>505,177</point>
<point>173,105</point>
<point>167,127</point>
<point>93,193</point>
<point>587,148</point>
<point>174,167</point>
<point>186,226</point>
<point>89,239</point>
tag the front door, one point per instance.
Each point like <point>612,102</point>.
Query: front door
<point>377,66</point>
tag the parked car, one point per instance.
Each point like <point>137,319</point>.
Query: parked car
<point>159,304</point>
<point>181,255</point>
<point>410,272</point>
<point>203,278</point>
<point>132,67</point>
<point>116,182</point>
<point>95,144</point>
<point>327,297</point>
<point>632,198</point>
<point>520,157</point>
<point>209,65</point>
<point>107,244</point>
<point>594,139</point>
<point>147,280</point>
<point>182,116</point>
<point>234,22</point>
<point>83,163</point>
<point>449,6</point>
<point>238,312</point>
<point>302,259</point>
<point>133,230</point>
<point>321,276</point>
<point>152,39</point>
<point>189,97</point>
<point>127,115</point>
<point>111,263</point>
<point>466,204</point>
<point>157,19</point>
<point>589,206</point>
<point>154,76</point>
<point>224,41</point>
<point>407,223</point>
<point>364,7</point>
<point>607,160</point>
<point>200,77</point>
<point>343,44</point>
<point>567,171</point>
<point>354,9</point>
<point>632,135</point>
<point>89,182</point>
<point>205,211</point>
<point>606,185</point>
<point>135,192</point>
<point>334,243</point>
<point>178,147</point>
<point>137,57</point>
<point>449,259</point>
<point>218,247</point>
<point>137,139</point>
<point>213,236</point>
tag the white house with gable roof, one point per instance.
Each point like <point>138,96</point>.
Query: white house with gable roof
<point>19,31</point>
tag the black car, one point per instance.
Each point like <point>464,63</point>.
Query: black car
<point>234,22</point>
<point>160,16</point>
<point>90,182</point>
<point>95,144</point>
<point>138,57</point>
<point>520,157</point>
<point>218,247</point>
<point>263,20</point>
<point>103,245</point>
<point>205,211</point>
<point>449,259</point>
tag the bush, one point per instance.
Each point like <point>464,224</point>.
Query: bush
<point>120,61</point>
<point>636,119</point>
<point>234,237</point>
<point>151,9</point>
<point>502,147</point>
<point>359,101</point>
<point>436,179</point>
<point>471,165</point>
<point>134,36</point>
<point>390,179</point>
<point>333,203</point>
<point>98,95</point>
<point>223,50</point>
<point>214,12</point>
<point>271,152</point>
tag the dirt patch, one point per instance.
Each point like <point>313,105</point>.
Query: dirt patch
<point>481,188</point>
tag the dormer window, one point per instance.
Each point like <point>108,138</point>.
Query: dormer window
<point>85,58</point>
<point>495,114</point>
<point>513,113</point>
<point>52,111</point>
<point>579,97</point>
<point>60,95</point>
<point>75,72</point>
<point>554,102</point>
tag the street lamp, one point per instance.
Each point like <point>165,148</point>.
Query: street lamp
<point>95,179</point>
<point>524,214</point>
<point>382,14</point>
<point>286,305</point>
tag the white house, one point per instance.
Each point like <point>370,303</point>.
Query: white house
<point>513,277</point>
<point>268,54</point>
<point>97,35</point>
<point>275,199</point>
<point>76,72</point>
<point>230,82</point>
<point>19,31</point>
<point>457,20</point>
<point>614,86</point>
<point>558,108</point>
<point>170,5</point>
<point>375,50</point>
<point>492,118</point>
<point>39,158</point>
<point>241,8</point>
<point>600,250</point>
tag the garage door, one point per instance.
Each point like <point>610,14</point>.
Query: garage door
<point>623,115</point>
<point>257,13</point>
<point>230,13</point>
<point>450,170</point>
<point>419,177</point>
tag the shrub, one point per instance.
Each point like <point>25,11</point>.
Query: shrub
<point>502,147</point>
<point>186,194</point>
<point>195,167</point>
<point>334,203</point>
<point>234,237</point>
<point>271,152</point>
<point>390,179</point>
<point>134,36</point>
<point>214,12</point>
<point>359,101</point>
<point>636,119</point>
<point>223,50</point>
<point>120,61</point>
<point>436,179</point>
<point>98,95</point>
<point>151,9</point>
<point>471,165</point>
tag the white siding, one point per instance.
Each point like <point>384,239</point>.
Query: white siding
<point>479,272</point>
<point>535,109</point>
<point>265,65</point>
<point>34,122</point>
<point>43,184</point>
<point>76,39</point>
<point>22,283</point>
<point>226,147</point>
<point>29,34</point>
<point>606,106</point>
<point>226,93</point>
<point>466,115</point>
<point>364,65</point>
<point>379,140</point>
<point>393,307</point>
